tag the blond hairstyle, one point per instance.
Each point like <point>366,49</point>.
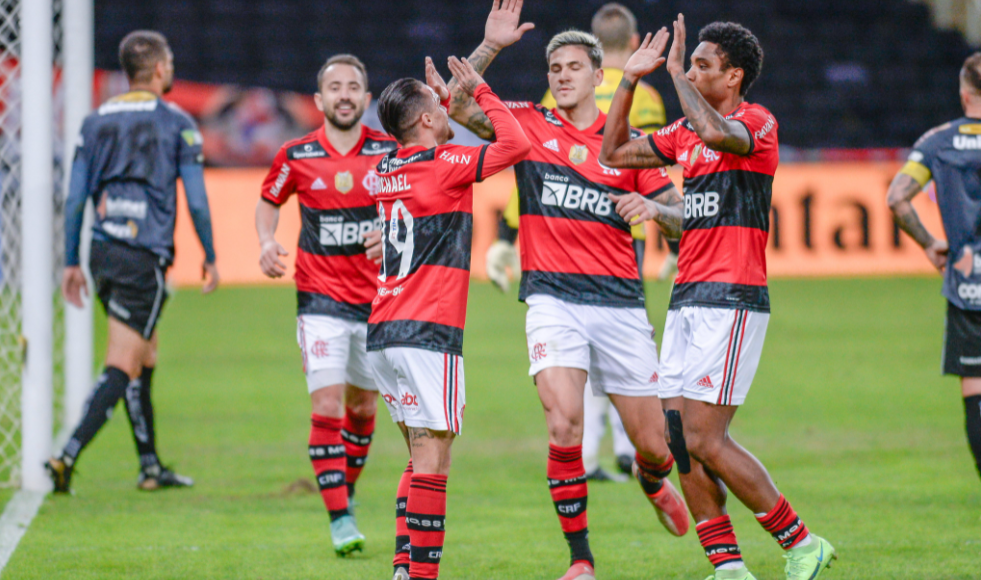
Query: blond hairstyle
<point>591,44</point>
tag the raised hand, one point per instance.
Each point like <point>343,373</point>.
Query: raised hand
<point>465,75</point>
<point>676,57</point>
<point>648,56</point>
<point>502,27</point>
<point>435,81</point>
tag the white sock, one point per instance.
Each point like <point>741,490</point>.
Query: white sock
<point>731,565</point>
<point>805,542</point>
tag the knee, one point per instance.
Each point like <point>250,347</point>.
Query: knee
<point>361,403</point>
<point>565,431</point>
<point>327,403</point>
<point>703,447</point>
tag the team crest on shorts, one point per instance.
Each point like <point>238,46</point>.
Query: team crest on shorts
<point>578,154</point>
<point>344,181</point>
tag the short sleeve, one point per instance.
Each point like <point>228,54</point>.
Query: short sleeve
<point>762,128</point>
<point>279,183</point>
<point>664,141</point>
<point>921,158</point>
<point>653,182</point>
<point>189,148</point>
<point>459,165</point>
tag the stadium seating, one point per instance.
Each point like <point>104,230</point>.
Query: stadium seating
<point>838,73</point>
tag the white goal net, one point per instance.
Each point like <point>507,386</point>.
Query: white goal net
<point>12,345</point>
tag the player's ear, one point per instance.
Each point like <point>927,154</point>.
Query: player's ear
<point>597,77</point>
<point>367,99</point>
<point>634,42</point>
<point>318,100</point>
<point>735,77</point>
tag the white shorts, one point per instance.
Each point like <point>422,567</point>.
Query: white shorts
<point>614,345</point>
<point>334,352</point>
<point>711,354</point>
<point>421,388</point>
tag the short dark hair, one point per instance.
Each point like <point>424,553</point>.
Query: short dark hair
<point>348,59</point>
<point>140,51</point>
<point>738,48</point>
<point>614,24</point>
<point>400,103</point>
<point>572,37</point>
<point>971,71</point>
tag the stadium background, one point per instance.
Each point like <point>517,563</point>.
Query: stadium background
<point>848,409</point>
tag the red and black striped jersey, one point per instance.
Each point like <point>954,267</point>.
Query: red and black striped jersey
<point>574,246</point>
<point>425,200</point>
<point>333,276</point>
<point>722,262</point>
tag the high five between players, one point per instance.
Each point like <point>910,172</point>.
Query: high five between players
<point>720,304</point>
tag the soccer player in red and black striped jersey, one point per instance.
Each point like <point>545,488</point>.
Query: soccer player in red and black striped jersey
<point>586,315</point>
<point>720,304</point>
<point>415,332</point>
<point>332,172</point>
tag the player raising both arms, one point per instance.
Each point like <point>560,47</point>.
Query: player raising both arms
<point>720,305</point>
<point>331,171</point>
<point>415,332</point>
<point>586,315</point>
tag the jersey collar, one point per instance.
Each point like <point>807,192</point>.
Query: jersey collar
<point>326,144</point>
<point>593,129</point>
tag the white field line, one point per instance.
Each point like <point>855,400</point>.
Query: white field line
<point>15,520</point>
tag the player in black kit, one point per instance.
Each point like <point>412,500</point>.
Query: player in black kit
<point>129,155</point>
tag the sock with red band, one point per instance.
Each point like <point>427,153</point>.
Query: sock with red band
<point>651,475</point>
<point>784,525</point>
<point>719,541</point>
<point>401,559</point>
<point>328,458</point>
<point>356,433</point>
<point>425,517</point>
<point>567,484</point>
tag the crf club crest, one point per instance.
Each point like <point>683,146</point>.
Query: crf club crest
<point>578,154</point>
<point>344,181</point>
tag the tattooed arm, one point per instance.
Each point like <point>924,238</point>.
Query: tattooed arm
<point>902,190</point>
<point>712,128</point>
<point>502,30</point>
<point>618,149</point>
<point>666,209</point>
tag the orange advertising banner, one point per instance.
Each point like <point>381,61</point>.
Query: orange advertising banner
<point>828,219</point>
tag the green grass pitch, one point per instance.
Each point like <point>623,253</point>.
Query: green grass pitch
<point>848,412</point>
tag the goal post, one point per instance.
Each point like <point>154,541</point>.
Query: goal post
<point>46,65</point>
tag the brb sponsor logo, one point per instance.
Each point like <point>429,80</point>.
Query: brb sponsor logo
<point>334,231</point>
<point>538,351</point>
<point>701,204</point>
<point>319,349</point>
<point>409,400</point>
<point>558,192</point>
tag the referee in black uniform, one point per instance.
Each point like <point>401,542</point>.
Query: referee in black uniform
<point>130,154</point>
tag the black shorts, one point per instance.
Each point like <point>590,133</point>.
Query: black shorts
<point>130,284</point>
<point>962,342</point>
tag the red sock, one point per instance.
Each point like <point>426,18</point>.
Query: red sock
<point>784,525</point>
<point>425,516</point>
<point>719,541</point>
<point>567,484</point>
<point>401,531</point>
<point>328,458</point>
<point>356,433</point>
<point>650,474</point>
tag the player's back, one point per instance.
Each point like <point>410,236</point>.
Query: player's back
<point>950,155</point>
<point>425,201</point>
<point>574,246</point>
<point>133,146</point>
